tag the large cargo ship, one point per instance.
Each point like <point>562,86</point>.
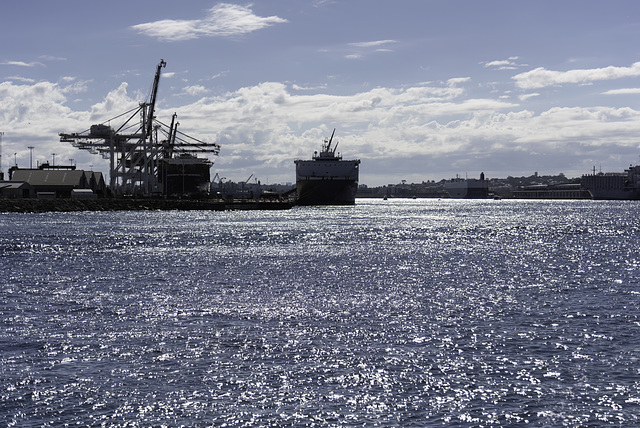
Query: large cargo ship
<point>467,188</point>
<point>614,185</point>
<point>327,179</point>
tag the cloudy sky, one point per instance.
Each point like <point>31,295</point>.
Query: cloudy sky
<point>417,89</point>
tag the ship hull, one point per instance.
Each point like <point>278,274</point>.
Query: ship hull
<point>467,189</point>
<point>614,186</point>
<point>326,192</point>
<point>614,195</point>
<point>327,179</point>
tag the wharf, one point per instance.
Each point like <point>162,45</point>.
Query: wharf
<point>73,205</point>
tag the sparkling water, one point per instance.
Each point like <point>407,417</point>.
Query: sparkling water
<point>398,312</point>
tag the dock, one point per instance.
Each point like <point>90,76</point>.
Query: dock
<point>124,204</point>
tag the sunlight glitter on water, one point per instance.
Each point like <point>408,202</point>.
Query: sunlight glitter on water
<point>438,312</point>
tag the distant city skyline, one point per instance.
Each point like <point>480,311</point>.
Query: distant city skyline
<point>418,90</point>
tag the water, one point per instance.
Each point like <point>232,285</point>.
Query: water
<point>399,312</point>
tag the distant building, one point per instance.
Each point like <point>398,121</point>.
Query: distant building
<point>96,183</point>
<point>552,191</point>
<point>83,194</point>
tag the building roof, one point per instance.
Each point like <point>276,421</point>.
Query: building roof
<point>38,177</point>
<point>97,176</point>
<point>12,184</point>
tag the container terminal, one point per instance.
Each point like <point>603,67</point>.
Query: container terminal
<point>152,165</point>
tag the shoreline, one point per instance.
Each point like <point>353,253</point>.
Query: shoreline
<point>75,205</point>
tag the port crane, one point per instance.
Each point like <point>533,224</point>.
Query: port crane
<point>139,150</point>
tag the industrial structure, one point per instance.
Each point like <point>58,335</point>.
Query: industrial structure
<point>148,158</point>
<point>49,182</point>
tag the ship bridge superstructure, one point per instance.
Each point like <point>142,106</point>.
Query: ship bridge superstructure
<point>327,164</point>
<point>327,153</point>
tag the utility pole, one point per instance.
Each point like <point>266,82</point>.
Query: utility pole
<point>1,173</point>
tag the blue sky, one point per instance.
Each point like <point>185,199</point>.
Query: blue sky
<point>418,90</point>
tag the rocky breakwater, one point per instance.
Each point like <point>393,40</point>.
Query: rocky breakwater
<point>71,205</point>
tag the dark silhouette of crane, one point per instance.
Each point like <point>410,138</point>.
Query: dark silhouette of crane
<point>139,150</point>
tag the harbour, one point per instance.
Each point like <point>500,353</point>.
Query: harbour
<point>320,214</point>
<point>156,162</point>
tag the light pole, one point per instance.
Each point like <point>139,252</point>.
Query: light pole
<point>54,159</point>
<point>1,174</point>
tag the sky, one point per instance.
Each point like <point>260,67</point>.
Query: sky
<point>417,89</point>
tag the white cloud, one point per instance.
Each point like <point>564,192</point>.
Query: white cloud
<point>319,3</point>
<point>51,58</point>
<point>527,96</point>
<point>504,64</point>
<point>222,20</point>
<point>116,102</point>
<point>308,88</point>
<point>541,77</point>
<point>24,103</point>
<point>363,48</point>
<point>626,91</point>
<point>22,63</point>
<point>263,128</point>
<point>33,115</point>
<point>194,90</point>
<point>390,126</point>
<point>457,80</point>
<point>21,79</point>
<point>76,87</point>
<point>221,74</point>
<point>371,44</point>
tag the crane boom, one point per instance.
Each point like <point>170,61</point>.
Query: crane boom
<point>330,140</point>
<point>154,93</point>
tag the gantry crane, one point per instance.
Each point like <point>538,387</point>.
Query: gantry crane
<point>138,158</point>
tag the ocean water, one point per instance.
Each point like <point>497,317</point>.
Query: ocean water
<point>389,313</point>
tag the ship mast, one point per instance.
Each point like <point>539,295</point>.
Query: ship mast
<point>330,140</point>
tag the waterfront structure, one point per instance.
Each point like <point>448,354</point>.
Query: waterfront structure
<point>327,179</point>
<point>15,190</point>
<point>57,183</point>
<point>467,188</point>
<point>614,185</point>
<point>552,191</point>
